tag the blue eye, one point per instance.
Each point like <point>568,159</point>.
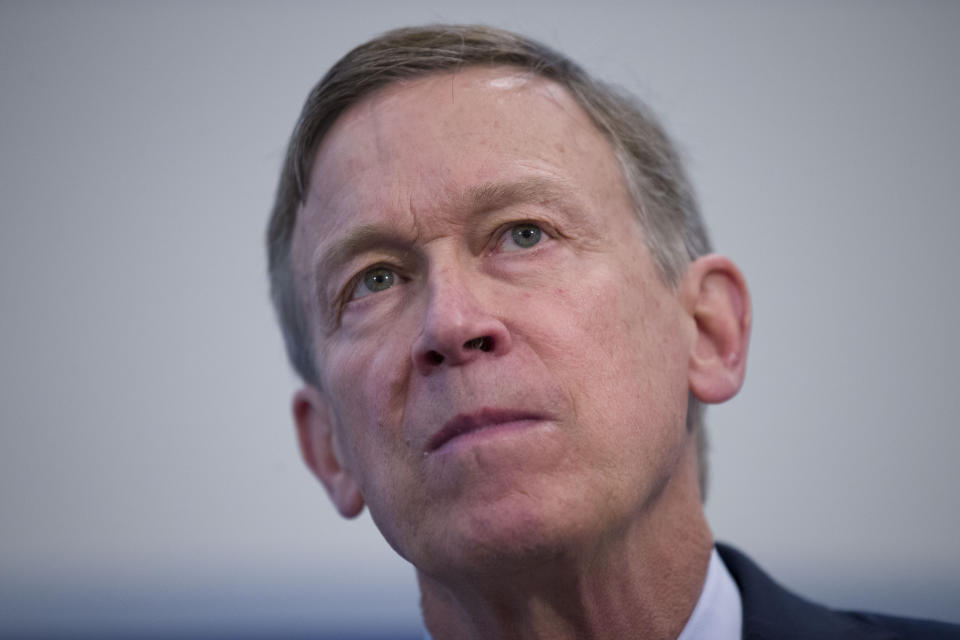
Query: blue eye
<point>525,235</point>
<point>374,280</point>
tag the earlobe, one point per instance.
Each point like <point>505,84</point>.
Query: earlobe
<point>318,445</point>
<point>716,296</point>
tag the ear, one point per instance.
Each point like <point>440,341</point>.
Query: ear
<point>715,294</point>
<point>321,451</point>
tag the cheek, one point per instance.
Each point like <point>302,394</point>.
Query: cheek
<point>619,345</point>
<point>368,380</point>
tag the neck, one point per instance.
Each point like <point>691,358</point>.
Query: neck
<point>641,581</point>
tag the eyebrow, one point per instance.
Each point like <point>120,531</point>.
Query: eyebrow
<point>360,239</point>
<point>498,195</point>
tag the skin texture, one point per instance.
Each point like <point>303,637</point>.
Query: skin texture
<point>575,511</point>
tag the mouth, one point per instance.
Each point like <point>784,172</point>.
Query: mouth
<point>466,423</point>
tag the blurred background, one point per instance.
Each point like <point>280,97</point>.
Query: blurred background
<point>150,482</point>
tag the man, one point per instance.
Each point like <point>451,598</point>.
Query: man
<point>494,281</point>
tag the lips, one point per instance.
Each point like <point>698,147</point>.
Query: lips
<point>470,422</point>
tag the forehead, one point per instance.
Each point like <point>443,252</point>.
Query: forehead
<point>431,136</point>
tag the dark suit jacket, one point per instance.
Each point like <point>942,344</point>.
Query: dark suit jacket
<point>770,612</point>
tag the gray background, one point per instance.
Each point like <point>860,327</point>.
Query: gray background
<point>149,475</point>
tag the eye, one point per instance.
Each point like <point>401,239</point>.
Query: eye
<point>522,236</point>
<point>374,280</point>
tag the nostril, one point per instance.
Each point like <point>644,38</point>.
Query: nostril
<point>434,358</point>
<point>483,343</point>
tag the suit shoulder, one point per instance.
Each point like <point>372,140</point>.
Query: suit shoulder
<point>771,612</point>
<point>911,628</point>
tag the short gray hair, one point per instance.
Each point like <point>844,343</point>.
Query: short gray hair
<point>663,197</point>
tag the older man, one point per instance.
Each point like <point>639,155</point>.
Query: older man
<point>494,281</point>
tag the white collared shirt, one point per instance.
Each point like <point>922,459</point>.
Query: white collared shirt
<point>719,612</point>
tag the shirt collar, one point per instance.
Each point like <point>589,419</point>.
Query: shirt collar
<point>719,613</point>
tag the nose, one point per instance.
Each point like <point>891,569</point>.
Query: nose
<point>457,328</point>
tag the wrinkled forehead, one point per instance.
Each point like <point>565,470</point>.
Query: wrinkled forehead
<point>426,135</point>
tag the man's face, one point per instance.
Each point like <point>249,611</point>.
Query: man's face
<point>502,368</point>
